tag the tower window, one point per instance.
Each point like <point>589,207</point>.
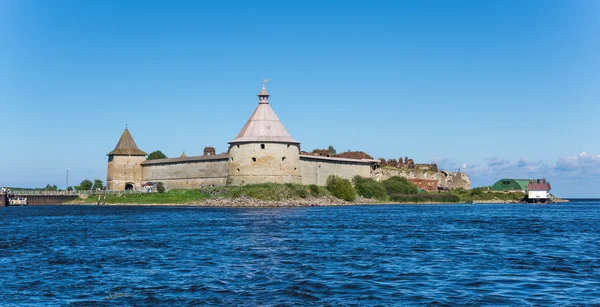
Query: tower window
<point>238,170</point>
<point>231,158</point>
<point>238,145</point>
<point>253,159</point>
<point>262,146</point>
<point>282,159</point>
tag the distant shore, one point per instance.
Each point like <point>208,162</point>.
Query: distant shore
<point>248,202</point>
<point>240,202</point>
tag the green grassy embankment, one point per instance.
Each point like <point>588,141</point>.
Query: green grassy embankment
<point>371,191</point>
<point>425,198</point>
<point>483,194</point>
<point>266,192</point>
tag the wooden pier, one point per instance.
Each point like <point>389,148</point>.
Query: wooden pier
<point>38,199</point>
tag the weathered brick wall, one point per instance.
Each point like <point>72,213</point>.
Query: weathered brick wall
<point>123,170</point>
<point>316,171</point>
<point>187,174</point>
<point>251,163</point>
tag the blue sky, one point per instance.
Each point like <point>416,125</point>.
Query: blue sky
<point>497,88</point>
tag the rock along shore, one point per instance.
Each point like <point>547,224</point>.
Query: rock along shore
<point>248,202</point>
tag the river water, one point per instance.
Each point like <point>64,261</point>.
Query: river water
<point>338,256</point>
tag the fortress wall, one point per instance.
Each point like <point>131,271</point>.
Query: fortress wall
<point>316,171</point>
<point>187,174</point>
<point>452,180</point>
<point>252,163</point>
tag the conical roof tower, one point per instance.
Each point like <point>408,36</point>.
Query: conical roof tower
<point>264,125</point>
<point>264,151</point>
<point>126,146</point>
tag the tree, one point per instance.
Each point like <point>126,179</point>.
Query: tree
<point>157,154</point>
<point>50,188</point>
<point>98,184</point>
<point>160,187</point>
<point>399,185</point>
<point>331,150</point>
<point>86,184</point>
<point>369,188</point>
<point>340,188</point>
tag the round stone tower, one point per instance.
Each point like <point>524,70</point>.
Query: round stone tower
<point>264,151</point>
<point>124,165</point>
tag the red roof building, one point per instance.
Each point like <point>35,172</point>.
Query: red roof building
<point>538,187</point>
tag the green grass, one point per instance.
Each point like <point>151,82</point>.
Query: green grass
<point>278,192</point>
<point>265,191</point>
<point>170,197</point>
<point>425,198</point>
<point>484,194</point>
<point>274,191</point>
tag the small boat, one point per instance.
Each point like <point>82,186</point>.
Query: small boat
<point>17,201</point>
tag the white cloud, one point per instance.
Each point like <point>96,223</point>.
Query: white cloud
<point>537,166</point>
<point>499,165</point>
<point>583,162</point>
<point>583,165</point>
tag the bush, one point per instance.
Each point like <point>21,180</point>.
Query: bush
<point>369,188</point>
<point>460,190</point>
<point>160,187</point>
<point>298,189</point>
<point>340,188</point>
<point>317,191</point>
<point>425,197</point>
<point>314,190</point>
<point>477,191</point>
<point>399,185</point>
<point>235,193</point>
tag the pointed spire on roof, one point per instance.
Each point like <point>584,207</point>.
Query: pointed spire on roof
<point>264,125</point>
<point>183,155</point>
<point>263,96</point>
<point>126,146</point>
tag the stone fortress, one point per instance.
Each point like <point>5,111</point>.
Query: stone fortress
<point>262,152</point>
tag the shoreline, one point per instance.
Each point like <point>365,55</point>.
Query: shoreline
<point>247,202</point>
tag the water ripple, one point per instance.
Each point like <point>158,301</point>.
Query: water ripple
<point>336,256</point>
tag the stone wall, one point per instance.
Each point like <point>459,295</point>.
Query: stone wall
<point>251,163</point>
<point>124,170</point>
<point>452,180</point>
<point>186,173</point>
<point>315,170</point>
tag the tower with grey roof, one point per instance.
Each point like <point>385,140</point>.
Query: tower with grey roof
<point>264,151</point>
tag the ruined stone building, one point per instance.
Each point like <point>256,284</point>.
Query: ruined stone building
<point>263,151</point>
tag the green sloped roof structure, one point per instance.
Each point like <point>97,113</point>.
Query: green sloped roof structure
<point>511,185</point>
<point>126,146</point>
